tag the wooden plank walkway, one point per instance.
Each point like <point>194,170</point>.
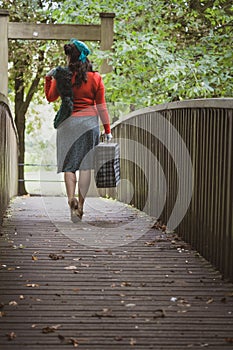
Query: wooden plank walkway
<point>111,282</point>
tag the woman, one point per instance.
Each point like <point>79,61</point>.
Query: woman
<point>83,99</point>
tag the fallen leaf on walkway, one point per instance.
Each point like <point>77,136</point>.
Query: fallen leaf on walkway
<point>182,311</point>
<point>1,305</point>
<point>132,342</point>
<point>56,257</point>
<point>32,285</point>
<point>183,303</point>
<point>173,299</point>
<point>76,290</point>
<point>2,314</point>
<point>13,303</point>
<point>158,225</point>
<point>73,341</point>
<point>159,313</point>
<point>34,258</point>
<point>210,301</point>
<point>130,305</point>
<point>50,329</point>
<point>85,265</point>
<point>72,267</point>
<point>77,259</point>
<point>106,310</point>
<point>162,239</point>
<point>21,246</point>
<point>126,284</point>
<point>104,313</point>
<point>11,335</point>
<point>149,244</point>
<point>21,297</point>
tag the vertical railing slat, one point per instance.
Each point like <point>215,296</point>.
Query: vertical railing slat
<point>206,128</point>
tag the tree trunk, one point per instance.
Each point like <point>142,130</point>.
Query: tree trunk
<point>21,157</point>
<point>21,106</point>
<point>20,124</point>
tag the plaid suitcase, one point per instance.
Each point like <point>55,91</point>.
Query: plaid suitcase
<point>107,165</point>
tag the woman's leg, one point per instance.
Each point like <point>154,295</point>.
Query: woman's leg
<point>70,181</point>
<point>83,186</point>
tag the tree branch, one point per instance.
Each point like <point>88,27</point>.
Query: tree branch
<point>34,84</point>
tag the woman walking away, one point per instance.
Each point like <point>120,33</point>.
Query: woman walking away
<point>82,101</point>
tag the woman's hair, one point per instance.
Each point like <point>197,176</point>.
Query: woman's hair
<point>77,66</point>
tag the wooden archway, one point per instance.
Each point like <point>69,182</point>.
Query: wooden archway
<point>42,31</point>
<point>33,31</point>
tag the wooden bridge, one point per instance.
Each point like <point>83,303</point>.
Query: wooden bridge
<point>150,268</point>
<point>120,279</point>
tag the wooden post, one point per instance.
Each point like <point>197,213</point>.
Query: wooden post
<point>4,15</point>
<point>106,37</point>
<point>106,42</point>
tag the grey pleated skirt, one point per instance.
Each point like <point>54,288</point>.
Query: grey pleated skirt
<point>76,140</point>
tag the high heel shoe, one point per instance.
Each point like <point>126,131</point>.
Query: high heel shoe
<point>80,211</point>
<point>74,211</point>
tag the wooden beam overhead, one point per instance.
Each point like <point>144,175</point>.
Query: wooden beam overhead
<point>42,31</point>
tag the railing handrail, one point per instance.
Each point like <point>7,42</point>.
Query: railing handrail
<point>4,100</point>
<point>9,146</point>
<point>220,102</point>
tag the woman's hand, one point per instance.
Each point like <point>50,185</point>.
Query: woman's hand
<point>108,137</point>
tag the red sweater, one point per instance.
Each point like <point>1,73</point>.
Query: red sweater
<point>89,98</point>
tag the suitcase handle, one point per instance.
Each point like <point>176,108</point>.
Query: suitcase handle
<point>102,138</point>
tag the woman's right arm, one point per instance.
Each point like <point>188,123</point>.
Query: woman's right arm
<point>102,107</point>
<point>50,88</point>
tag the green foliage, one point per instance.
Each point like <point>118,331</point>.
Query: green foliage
<point>163,50</point>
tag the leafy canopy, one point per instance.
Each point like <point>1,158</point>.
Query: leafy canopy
<point>163,50</point>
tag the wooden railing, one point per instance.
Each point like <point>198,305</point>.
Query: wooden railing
<point>8,156</point>
<point>176,165</point>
